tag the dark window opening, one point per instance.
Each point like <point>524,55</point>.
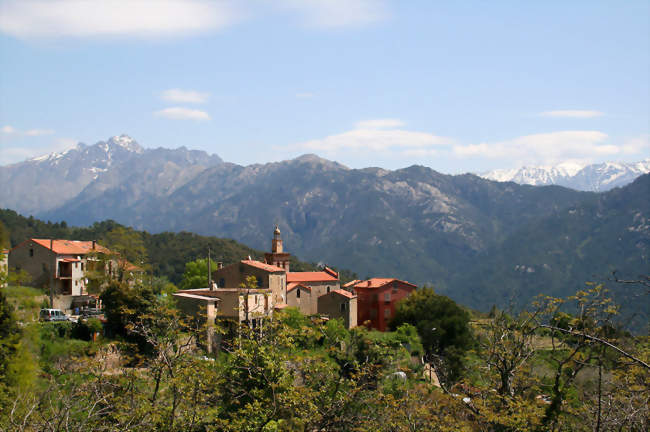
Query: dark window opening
<point>31,252</point>
<point>298,293</point>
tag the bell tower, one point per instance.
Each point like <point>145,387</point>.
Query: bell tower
<point>277,256</point>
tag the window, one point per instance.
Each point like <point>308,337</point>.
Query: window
<point>222,283</point>
<point>298,293</point>
<point>387,313</point>
<point>31,252</point>
<point>328,290</point>
<point>342,307</point>
<point>259,282</point>
<point>82,266</point>
<point>387,297</point>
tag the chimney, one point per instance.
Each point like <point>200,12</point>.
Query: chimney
<point>94,242</point>
<point>52,244</point>
<point>219,265</point>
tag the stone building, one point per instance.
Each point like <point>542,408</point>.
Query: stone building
<point>376,299</point>
<point>59,267</point>
<point>339,303</point>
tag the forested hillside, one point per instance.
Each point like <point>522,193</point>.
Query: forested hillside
<point>167,252</point>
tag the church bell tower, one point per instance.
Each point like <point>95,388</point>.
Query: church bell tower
<point>277,257</point>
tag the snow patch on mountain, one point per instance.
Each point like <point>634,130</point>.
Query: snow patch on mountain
<point>595,177</point>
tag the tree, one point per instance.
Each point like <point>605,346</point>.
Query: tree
<point>122,306</point>
<point>9,338</point>
<point>442,325</point>
<point>196,274</point>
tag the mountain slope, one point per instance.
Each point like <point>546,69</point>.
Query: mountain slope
<point>413,223</point>
<point>47,182</point>
<point>595,177</point>
<point>558,253</point>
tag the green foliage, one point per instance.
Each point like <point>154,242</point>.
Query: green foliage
<point>18,277</point>
<point>85,329</point>
<point>167,253</point>
<point>9,338</point>
<point>442,325</point>
<point>196,274</point>
<point>123,304</point>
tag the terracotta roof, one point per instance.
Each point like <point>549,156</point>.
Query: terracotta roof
<point>376,283</point>
<point>263,266</point>
<point>293,285</point>
<point>344,293</point>
<point>351,283</point>
<point>310,277</point>
<point>71,247</point>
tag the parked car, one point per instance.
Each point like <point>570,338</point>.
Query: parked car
<point>52,315</point>
<point>91,313</point>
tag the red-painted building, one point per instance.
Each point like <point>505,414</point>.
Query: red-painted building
<point>376,299</point>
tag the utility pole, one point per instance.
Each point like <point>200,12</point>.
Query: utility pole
<point>209,270</point>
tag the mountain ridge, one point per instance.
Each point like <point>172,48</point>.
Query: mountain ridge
<point>599,177</point>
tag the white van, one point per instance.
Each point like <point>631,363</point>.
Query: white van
<point>52,315</point>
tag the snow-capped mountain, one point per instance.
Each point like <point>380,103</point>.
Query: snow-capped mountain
<point>48,181</point>
<point>595,177</point>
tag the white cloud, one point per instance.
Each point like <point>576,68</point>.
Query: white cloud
<point>378,136</point>
<point>387,123</point>
<point>337,13</point>
<point>636,145</point>
<point>184,96</point>
<point>181,113</point>
<point>143,18</point>
<point>544,149</point>
<point>10,130</point>
<point>572,113</point>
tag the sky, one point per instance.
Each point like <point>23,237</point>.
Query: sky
<point>456,86</point>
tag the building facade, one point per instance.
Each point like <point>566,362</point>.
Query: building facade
<point>339,304</point>
<point>59,267</point>
<point>376,299</point>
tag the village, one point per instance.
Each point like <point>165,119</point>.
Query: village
<point>247,291</point>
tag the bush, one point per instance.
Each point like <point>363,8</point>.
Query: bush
<point>85,330</point>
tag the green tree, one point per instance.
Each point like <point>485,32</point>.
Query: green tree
<point>9,339</point>
<point>196,274</point>
<point>443,327</point>
<point>123,305</point>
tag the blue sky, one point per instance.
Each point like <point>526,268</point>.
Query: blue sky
<point>456,86</point>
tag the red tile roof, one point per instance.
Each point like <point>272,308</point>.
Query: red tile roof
<point>310,277</point>
<point>376,283</point>
<point>263,266</point>
<point>344,293</point>
<point>71,247</point>
<point>351,283</point>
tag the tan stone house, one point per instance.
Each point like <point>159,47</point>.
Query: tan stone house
<point>60,267</point>
<point>339,304</point>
